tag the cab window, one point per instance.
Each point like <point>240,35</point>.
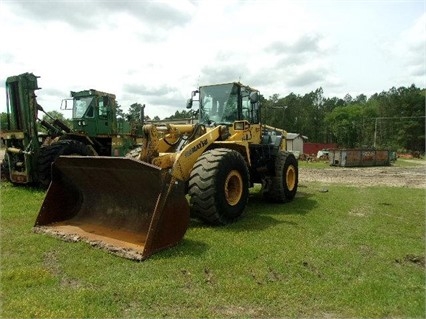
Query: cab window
<point>103,111</point>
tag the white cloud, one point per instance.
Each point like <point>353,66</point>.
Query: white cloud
<point>157,52</point>
<point>412,49</point>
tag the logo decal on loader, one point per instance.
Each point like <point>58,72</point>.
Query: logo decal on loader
<point>195,148</point>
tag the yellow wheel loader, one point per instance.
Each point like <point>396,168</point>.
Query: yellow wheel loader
<point>137,205</point>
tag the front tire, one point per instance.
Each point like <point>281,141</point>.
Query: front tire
<point>283,183</point>
<point>49,153</point>
<point>218,186</point>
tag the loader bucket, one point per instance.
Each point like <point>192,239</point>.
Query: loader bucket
<point>130,208</point>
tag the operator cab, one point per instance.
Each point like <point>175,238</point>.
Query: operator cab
<point>93,112</point>
<point>223,104</point>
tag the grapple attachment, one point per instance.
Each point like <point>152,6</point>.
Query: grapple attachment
<point>130,208</point>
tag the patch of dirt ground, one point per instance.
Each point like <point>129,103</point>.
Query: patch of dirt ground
<point>394,176</point>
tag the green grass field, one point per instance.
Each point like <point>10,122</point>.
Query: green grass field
<point>348,252</point>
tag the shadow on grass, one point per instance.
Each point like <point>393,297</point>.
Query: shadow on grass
<point>261,214</point>
<point>302,204</point>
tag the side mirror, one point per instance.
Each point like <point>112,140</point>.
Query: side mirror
<point>254,97</point>
<point>142,114</point>
<point>64,104</point>
<point>189,103</point>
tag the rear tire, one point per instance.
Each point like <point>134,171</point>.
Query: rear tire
<point>48,154</point>
<point>218,186</point>
<point>283,184</point>
<point>5,174</point>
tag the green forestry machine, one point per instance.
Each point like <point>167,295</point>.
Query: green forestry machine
<point>134,207</point>
<point>29,154</point>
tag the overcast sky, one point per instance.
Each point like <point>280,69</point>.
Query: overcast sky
<point>157,52</point>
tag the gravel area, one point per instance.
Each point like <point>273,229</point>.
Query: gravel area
<point>410,176</point>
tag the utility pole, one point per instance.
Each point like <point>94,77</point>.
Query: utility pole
<point>375,133</point>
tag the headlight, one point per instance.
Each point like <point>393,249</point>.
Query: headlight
<point>241,125</point>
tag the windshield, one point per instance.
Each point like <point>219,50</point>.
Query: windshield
<point>80,107</point>
<point>219,104</point>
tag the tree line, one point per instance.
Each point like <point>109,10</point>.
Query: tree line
<point>393,119</point>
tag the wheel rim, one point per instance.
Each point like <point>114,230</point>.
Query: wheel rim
<point>290,177</point>
<point>233,187</point>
